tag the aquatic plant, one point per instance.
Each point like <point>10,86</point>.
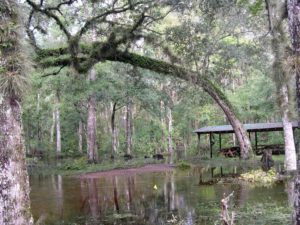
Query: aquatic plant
<point>260,177</point>
<point>182,165</point>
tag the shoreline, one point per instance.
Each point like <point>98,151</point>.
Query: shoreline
<point>128,171</point>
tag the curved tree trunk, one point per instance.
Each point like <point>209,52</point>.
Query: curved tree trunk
<point>163,68</point>
<point>214,92</point>
<point>239,130</point>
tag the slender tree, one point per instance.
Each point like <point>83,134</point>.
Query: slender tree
<point>92,150</point>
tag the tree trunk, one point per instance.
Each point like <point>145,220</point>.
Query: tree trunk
<point>92,124</point>
<point>163,124</point>
<point>170,131</point>
<point>80,137</point>
<point>290,151</point>
<point>129,127</point>
<point>58,131</point>
<point>238,127</point>
<point>282,78</point>
<point>38,136</point>
<point>14,184</point>
<point>113,130</point>
<point>208,86</point>
<point>52,127</point>
<point>293,7</point>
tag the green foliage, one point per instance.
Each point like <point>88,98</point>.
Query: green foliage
<point>77,164</point>
<point>256,7</point>
<point>260,177</point>
<point>182,165</point>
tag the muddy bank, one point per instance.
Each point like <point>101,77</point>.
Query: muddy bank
<point>130,171</point>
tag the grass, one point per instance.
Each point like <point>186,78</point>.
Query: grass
<point>78,166</point>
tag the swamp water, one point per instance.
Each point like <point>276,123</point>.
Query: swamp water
<point>167,197</point>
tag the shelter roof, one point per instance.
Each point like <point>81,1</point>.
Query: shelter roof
<point>250,127</point>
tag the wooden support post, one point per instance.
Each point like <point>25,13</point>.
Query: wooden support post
<point>295,142</point>
<point>220,142</point>
<point>249,134</point>
<point>256,141</point>
<point>210,144</point>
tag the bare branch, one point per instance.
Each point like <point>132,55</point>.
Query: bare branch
<point>29,32</point>
<point>54,73</point>
<point>103,16</point>
<point>50,14</point>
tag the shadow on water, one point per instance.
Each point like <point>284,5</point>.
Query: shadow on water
<point>169,197</point>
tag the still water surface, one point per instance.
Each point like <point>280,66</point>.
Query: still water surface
<point>168,197</point>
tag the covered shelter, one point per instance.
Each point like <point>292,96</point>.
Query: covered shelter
<point>250,128</point>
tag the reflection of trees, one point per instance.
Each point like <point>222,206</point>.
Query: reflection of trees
<point>90,199</point>
<point>130,191</point>
<point>58,188</point>
<point>116,201</point>
<point>121,194</point>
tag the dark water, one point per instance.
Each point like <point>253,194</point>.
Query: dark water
<point>180,198</point>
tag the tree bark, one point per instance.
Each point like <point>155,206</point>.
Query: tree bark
<point>170,134</point>
<point>290,151</point>
<point>293,7</point>
<point>39,135</point>
<point>163,124</point>
<point>52,130</point>
<point>238,127</point>
<point>14,183</point>
<point>113,130</point>
<point>58,130</point>
<point>92,152</point>
<point>129,127</point>
<point>80,137</point>
<point>282,78</point>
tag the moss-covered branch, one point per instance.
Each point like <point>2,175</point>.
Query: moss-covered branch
<point>102,53</point>
<point>59,57</point>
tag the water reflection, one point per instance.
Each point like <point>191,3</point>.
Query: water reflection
<point>132,198</point>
